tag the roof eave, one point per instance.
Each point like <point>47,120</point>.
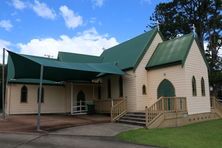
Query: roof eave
<point>163,65</point>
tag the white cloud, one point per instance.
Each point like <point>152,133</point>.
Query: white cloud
<point>18,4</point>
<point>87,42</point>
<point>97,3</point>
<point>72,20</point>
<point>6,24</point>
<point>42,10</point>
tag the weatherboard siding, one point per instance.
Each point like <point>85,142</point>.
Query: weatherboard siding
<point>129,90</point>
<point>175,74</point>
<point>195,66</point>
<point>142,76</point>
<point>54,99</point>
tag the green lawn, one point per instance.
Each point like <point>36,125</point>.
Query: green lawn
<point>199,135</point>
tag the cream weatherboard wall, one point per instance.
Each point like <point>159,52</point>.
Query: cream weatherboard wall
<point>175,74</point>
<point>54,99</point>
<point>141,73</point>
<point>57,99</point>
<point>195,66</point>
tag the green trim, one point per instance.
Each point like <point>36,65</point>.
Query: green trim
<point>164,65</point>
<point>201,51</point>
<point>171,51</point>
<point>185,57</point>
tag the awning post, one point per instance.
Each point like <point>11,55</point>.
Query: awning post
<point>39,98</point>
<point>3,84</point>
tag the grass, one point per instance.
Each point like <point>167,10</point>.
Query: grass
<point>199,135</point>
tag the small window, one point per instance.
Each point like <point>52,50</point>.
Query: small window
<point>120,86</point>
<point>109,88</point>
<point>144,89</point>
<point>42,96</point>
<point>202,87</point>
<point>194,87</point>
<point>24,94</point>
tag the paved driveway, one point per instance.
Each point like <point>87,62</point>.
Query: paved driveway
<point>61,141</point>
<point>102,129</point>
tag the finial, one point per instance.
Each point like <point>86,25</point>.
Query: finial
<point>194,30</point>
<point>158,25</point>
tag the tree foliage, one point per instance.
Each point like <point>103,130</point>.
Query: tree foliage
<point>178,16</point>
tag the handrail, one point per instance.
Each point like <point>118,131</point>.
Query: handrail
<point>105,105</point>
<point>118,110</point>
<point>165,104</point>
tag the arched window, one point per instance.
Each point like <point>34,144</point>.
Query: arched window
<point>24,94</point>
<point>42,96</point>
<point>109,88</point>
<point>144,89</point>
<point>202,87</point>
<point>120,86</point>
<point>194,87</point>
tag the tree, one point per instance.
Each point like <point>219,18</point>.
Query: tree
<point>178,17</point>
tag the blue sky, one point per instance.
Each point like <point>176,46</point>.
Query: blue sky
<point>44,27</point>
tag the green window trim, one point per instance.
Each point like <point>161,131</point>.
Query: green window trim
<point>144,89</point>
<point>24,94</point>
<point>194,86</point>
<point>203,87</point>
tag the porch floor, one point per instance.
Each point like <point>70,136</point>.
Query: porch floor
<point>27,123</point>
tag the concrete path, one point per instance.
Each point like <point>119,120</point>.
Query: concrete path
<point>61,141</point>
<point>102,129</point>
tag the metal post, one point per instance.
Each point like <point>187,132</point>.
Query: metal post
<point>3,84</point>
<point>39,98</point>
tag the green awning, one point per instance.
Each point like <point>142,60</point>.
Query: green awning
<point>29,67</point>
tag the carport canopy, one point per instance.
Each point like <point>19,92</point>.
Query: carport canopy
<point>30,67</point>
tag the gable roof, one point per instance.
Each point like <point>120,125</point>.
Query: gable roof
<point>171,52</point>
<point>78,58</point>
<point>128,54</point>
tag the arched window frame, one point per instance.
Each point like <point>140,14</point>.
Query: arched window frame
<point>203,92</point>
<point>24,94</point>
<point>194,86</point>
<point>144,89</point>
<point>42,96</point>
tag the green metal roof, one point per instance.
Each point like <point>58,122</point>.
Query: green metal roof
<point>78,58</point>
<point>128,54</point>
<point>23,66</point>
<point>171,52</point>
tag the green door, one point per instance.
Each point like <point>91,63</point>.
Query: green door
<point>166,89</point>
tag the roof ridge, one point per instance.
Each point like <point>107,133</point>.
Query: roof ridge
<point>78,54</point>
<point>37,56</point>
<point>154,29</point>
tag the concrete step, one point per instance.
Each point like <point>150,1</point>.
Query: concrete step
<point>140,123</point>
